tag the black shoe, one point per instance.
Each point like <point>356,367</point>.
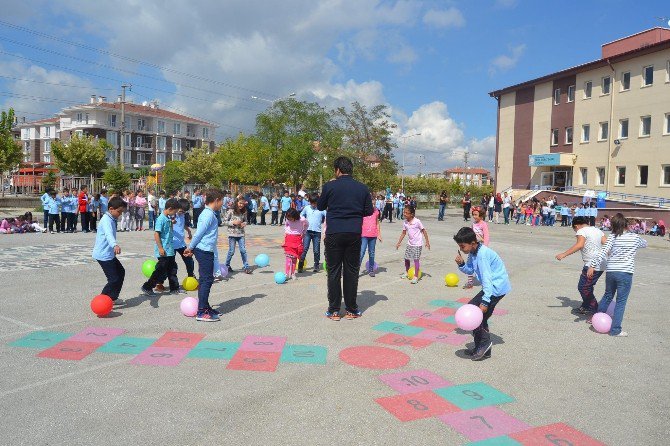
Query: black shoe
<point>483,352</point>
<point>301,266</point>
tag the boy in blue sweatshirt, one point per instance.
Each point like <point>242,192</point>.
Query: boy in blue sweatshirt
<point>45,206</point>
<point>203,247</point>
<point>106,249</point>
<point>490,270</point>
<point>315,219</point>
<point>54,203</point>
<point>164,251</point>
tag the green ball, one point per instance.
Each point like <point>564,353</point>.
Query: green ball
<point>325,267</point>
<point>148,267</point>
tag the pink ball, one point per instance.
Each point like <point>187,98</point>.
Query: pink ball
<point>601,322</point>
<point>469,317</point>
<point>610,309</point>
<point>189,306</point>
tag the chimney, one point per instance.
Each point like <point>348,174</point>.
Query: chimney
<point>118,99</point>
<point>144,103</point>
<point>93,99</point>
<point>23,119</point>
<point>102,99</point>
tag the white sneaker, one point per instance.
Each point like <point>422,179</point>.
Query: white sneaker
<point>414,280</point>
<point>623,334</point>
<point>403,276</point>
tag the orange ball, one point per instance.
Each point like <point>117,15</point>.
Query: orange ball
<point>102,305</point>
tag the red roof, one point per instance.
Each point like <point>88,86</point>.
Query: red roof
<point>46,121</point>
<point>473,170</point>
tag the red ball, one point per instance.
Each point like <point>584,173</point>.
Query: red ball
<point>102,305</point>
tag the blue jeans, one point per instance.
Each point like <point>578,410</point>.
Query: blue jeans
<point>398,212</point>
<point>206,275</point>
<point>585,288</point>
<point>46,218</point>
<point>152,218</point>
<point>369,243</point>
<point>315,238</point>
<point>440,214</point>
<point>231,250</point>
<point>506,214</point>
<point>620,283</point>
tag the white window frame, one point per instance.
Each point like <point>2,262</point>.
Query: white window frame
<point>79,133</point>
<point>571,93</point>
<point>618,175</point>
<point>644,76</point>
<point>602,85</point>
<point>666,126</point>
<point>128,140</point>
<point>623,88</point>
<point>127,157</point>
<point>621,135</point>
<point>588,89</point>
<point>600,179</point>
<point>583,176</point>
<point>46,157</point>
<point>176,156</point>
<point>47,147</point>
<point>47,131</point>
<point>161,143</point>
<point>138,141</point>
<point>112,121</point>
<point>141,124</point>
<point>143,158</point>
<point>557,96</point>
<point>667,71</point>
<point>110,156</point>
<point>160,127</point>
<point>639,175</point>
<point>586,135</point>
<point>176,127</point>
<point>79,117</point>
<point>160,158</point>
<point>601,125</point>
<point>642,119</point>
<point>112,137</point>
<point>176,145</point>
<point>568,130</point>
<point>553,137</point>
<point>663,168</point>
<point>205,133</point>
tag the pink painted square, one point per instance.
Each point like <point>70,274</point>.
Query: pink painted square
<point>254,361</point>
<point>161,356</point>
<point>97,335</point>
<point>400,340</point>
<point>554,434</point>
<point>500,312</point>
<point>445,311</point>
<point>262,344</point>
<point>464,300</point>
<point>424,314</point>
<point>428,324</point>
<point>414,406</point>
<point>178,339</point>
<point>445,338</point>
<point>70,350</point>
<point>414,381</point>
<point>485,422</point>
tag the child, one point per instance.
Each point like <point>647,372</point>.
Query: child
<point>45,205</point>
<point>94,206</point>
<point>161,202</point>
<point>274,208</point>
<point>565,211</point>
<point>203,246</point>
<point>125,217</point>
<point>234,219</point>
<point>132,212</point>
<point>54,203</point>
<point>83,209</point>
<point>589,241</point>
<point>490,271</point>
<point>181,224</point>
<point>140,204</point>
<point>529,214</point>
<point>371,232</point>
<point>65,210</point>
<point>294,230</point>
<point>285,206</point>
<point>106,249</point>
<point>619,251</point>
<point>164,251</point>
<point>482,232</point>
<point>413,228</point>
<point>315,219</point>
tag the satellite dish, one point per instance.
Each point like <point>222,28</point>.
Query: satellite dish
<point>668,22</point>
<point>617,142</point>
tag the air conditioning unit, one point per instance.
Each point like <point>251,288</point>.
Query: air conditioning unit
<point>136,165</point>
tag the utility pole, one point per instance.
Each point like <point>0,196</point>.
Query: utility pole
<point>122,143</point>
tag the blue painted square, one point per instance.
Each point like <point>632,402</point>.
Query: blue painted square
<point>474,395</point>
<point>41,339</point>
<point>394,327</point>
<point>310,354</point>
<point>214,350</point>
<point>124,345</point>
<point>497,441</point>
<point>445,303</point>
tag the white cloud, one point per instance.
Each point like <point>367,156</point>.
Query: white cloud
<point>446,18</point>
<point>508,61</point>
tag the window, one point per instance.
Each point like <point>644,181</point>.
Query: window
<point>79,133</point>
<point>586,133</point>
<point>571,93</point>
<point>557,96</point>
<point>666,128</point>
<point>160,158</point>
<point>26,146</point>
<point>110,156</point>
<point>205,133</point>
<point>645,126</point>
<point>143,159</point>
<point>25,134</point>
<point>554,137</point>
<point>46,158</point>
<point>86,118</point>
<point>126,123</point>
<point>127,156</point>
<point>625,81</point>
<point>112,138</point>
<point>600,180</point>
<point>138,141</point>
<point>79,117</point>
<point>604,131</point>
<point>161,127</point>
<point>47,132</point>
<point>665,176</point>
<point>606,83</point>
<point>642,175</point>
<point>623,128</point>
<point>160,143</point>
<point>620,175</point>
<point>112,120</point>
<point>176,145</point>
<point>583,175</point>
<point>47,146</point>
<point>176,128</point>
<point>588,88</point>
<point>141,124</point>
<point>568,135</point>
<point>176,157</point>
<point>648,76</point>
<point>126,143</point>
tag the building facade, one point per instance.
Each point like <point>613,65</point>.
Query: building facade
<point>151,135</point>
<point>473,176</point>
<point>603,125</point>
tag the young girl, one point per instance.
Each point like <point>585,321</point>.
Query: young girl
<point>619,251</point>
<point>132,214</point>
<point>294,230</point>
<point>140,205</point>
<point>372,231</point>
<point>482,232</point>
<point>235,220</point>
<point>413,228</point>
<point>125,215</point>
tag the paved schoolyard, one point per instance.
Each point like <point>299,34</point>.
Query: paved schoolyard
<point>547,367</point>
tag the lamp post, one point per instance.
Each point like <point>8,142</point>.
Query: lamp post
<point>466,155</point>
<point>404,144</point>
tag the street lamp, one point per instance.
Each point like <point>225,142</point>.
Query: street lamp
<point>404,144</point>
<point>292,95</point>
<point>466,155</point>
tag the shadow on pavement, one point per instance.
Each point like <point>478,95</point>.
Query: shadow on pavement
<point>573,304</point>
<point>231,305</point>
<point>369,298</point>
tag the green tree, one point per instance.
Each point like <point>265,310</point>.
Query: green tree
<point>10,150</point>
<point>200,167</point>
<point>116,178</point>
<point>245,160</point>
<point>173,176</point>
<point>81,155</point>
<point>49,180</point>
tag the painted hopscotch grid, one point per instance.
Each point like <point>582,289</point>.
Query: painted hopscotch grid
<point>23,258</point>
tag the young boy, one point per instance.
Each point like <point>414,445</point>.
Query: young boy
<point>164,251</point>
<point>106,249</point>
<point>274,208</point>
<point>65,211</point>
<point>203,246</point>
<point>315,219</point>
<point>490,270</point>
<point>161,202</point>
<point>589,241</point>
<point>83,209</point>
<point>285,206</point>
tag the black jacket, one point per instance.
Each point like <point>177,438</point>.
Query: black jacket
<point>346,201</point>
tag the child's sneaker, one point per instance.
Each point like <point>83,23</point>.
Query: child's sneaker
<point>147,292</point>
<point>403,276</point>
<point>414,281</point>
<point>481,352</point>
<point>315,269</point>
<point>177,292</point>
<point>248,270</point>
<point>333,316</point>
<point>623,334</point>
<point>371,273</point>
<point>353,314</point>
<point>301,266</point>
<point>213,311</point>
<point>159,288</point>
<point>118,302</point>
<point>218,278</point>
<point>207,316</point>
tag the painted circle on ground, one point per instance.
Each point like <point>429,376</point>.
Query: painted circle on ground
<point>372,357</point>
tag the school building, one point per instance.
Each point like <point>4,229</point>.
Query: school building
<point>602,126</point>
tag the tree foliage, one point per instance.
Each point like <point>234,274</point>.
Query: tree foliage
<point>81,156</point>
<point>10,150</point>
<point>116,178</point>
<point>173,176</point>
<point>200,167</point>
<point>49,180</point>
<point>246,160</point>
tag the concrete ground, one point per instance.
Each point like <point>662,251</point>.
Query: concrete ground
<point>614,390</point>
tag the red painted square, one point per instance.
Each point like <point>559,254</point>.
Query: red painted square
<point>414,406</point>
<point>178,339</point>
<point>71,350</point>
<point>554,434</point>
<point>255,361</point>
<point>445,338</point>
<point>433,325</point>
<point>446,311</point>
<point>263,344</point>
<point>399,340</point>
<point>161,356</point>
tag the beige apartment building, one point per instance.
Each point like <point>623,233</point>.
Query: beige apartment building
<point>603,125</point>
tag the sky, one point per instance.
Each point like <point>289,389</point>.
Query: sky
<point>431,62</point>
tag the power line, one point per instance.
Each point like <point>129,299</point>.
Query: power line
<point>19,79</point>
<point>36,98</point>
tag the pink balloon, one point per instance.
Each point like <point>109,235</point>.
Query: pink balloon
<point>374,266</point>
<point>189,306</point>
<point>601,322</point>
<point>469,317</point>
<point>610,309</point>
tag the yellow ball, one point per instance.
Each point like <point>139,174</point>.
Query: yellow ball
<point>410,273</point>
<point>190,284</point>
<point>451,279</point>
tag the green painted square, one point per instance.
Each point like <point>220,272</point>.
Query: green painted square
<point>394,327</point>
<point>497,441</point>
<point>472,396</point>
<point>449,320</point>
<point>214,350</point>
<point>310,354</point>
<point>126,345</point>
<point>445,303</point>
<point>41,339</point>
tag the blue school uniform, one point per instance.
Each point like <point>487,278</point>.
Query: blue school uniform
<point>164,228</point>
<point>105,239</point>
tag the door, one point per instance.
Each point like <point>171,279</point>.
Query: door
<point>560,179</point>
<point>547,179</point>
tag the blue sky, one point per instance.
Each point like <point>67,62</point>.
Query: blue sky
<point>432,62</point>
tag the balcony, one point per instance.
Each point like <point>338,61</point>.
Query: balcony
<point>146,146</point>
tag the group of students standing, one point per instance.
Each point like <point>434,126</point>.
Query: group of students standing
<point>61,209</point>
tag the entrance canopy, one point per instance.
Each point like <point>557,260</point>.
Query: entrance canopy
<point>552,159</point>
